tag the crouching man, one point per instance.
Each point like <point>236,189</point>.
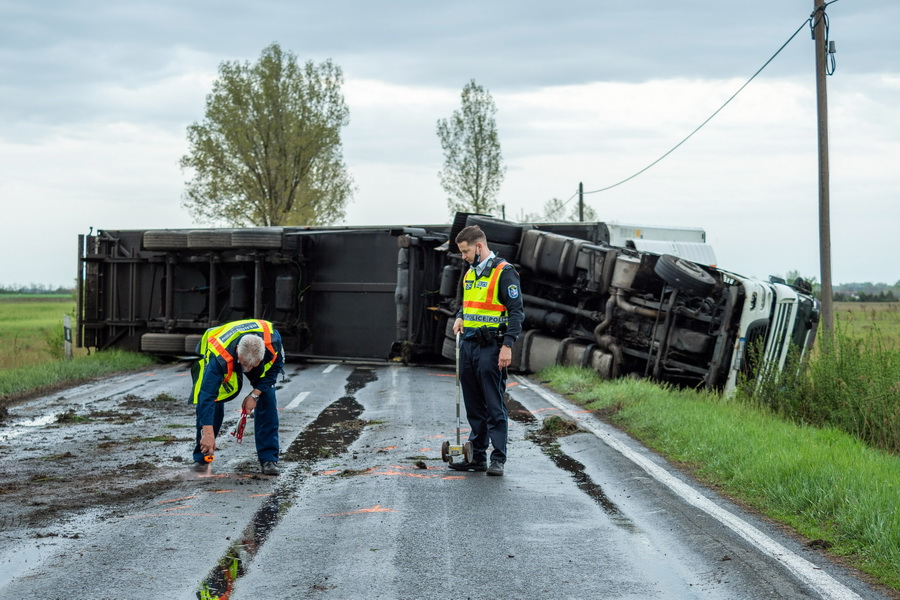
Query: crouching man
<point>252,349</point>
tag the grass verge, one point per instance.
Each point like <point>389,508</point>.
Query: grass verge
<point>824,483</point>
<point>21,381</point>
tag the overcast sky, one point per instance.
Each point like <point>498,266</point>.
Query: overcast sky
<point>96,96</point>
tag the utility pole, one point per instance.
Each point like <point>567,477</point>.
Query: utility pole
<point>827,320</point>
<point>580,202</point>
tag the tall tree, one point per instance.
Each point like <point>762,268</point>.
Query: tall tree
<point>473,169</point>
<point>269,150</point>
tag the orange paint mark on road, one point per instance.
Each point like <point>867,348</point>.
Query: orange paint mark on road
<point>387,448</point>
<point>454,477</point>
<point>420,476</point>
<point>424,449</point>
<point>179,507</point>
<point>543,409</point>
<point>176,499</point>
<point>435,437</point>
<point>374,509</point>
<point>330,472</point>
<point>259,495</point>
<point>148,375</point>
<point>513,384</point>
<point>222,491</point>
<point>442,374</point>
<point>182,374</point>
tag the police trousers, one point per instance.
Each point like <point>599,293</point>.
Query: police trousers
<point>483,387</point>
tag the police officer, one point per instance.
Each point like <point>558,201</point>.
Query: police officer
<point>251,348</point>
<point>489,323</point>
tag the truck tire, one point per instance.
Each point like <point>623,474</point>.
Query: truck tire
<point>449,349</point>
<point>163,343</point>
<point>257,238</point>
<point>684,275</point>
<point>191,341</point>
<point>497,230</point>
<point>209,238</point>
<point>508,252</point>
<point>165,240</point>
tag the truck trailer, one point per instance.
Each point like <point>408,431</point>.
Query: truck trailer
<point>622,300</point>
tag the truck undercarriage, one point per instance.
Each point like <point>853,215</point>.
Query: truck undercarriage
<point>622,300</point>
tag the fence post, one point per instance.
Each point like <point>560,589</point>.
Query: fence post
<point>67,329</point>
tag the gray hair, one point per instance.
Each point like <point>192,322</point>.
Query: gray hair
<point>251,347</point>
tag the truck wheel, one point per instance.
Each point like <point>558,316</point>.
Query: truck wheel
<point>684,275</point>
<point>508,252</point>
<point>191,341</point>
<point>163,343</point>
<point>497,230</point>
<point>209,238</point>
<point>269,237</point>
<point>165,240</point>
<point>449,348</point>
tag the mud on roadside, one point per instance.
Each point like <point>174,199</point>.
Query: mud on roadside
<point>59,458</point>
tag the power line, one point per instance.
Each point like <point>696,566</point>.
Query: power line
<point>807,21</point>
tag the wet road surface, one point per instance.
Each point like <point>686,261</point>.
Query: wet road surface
<point>365,508</point>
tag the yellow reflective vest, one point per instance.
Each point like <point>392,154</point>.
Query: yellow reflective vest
<point>481,304</point>
<point>214,344</point>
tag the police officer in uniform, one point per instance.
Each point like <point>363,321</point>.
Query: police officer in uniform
<point>251,348</point>
<point>489,323</point>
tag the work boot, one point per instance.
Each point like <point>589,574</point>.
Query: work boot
<point>270,468</point>
<point>465,465</point>
<point>496,468</point>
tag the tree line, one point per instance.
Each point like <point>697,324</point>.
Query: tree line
<point>35,288</point>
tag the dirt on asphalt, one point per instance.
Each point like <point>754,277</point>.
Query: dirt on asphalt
<point>59,458</point>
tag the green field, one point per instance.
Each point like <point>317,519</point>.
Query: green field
<point>31,347</point>
<point>31,328</point>
<point>859,319</point>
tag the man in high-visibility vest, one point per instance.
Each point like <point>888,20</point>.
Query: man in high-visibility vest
<point>251,349</point>
<point>489,323</point>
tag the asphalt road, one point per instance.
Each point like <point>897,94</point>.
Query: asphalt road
<point>365,508</point>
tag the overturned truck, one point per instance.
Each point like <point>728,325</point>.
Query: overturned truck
<point>622,300</point>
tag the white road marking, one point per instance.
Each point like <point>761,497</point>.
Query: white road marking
<point>296,401</point>
<point>824,584</point>
<point>329,368</point>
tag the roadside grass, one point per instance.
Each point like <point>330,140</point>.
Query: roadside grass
<point>31,348</point>
<point>51,373</point>
<point>826,484</point>
<point>852,382</point>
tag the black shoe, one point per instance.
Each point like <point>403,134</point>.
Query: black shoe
<point>469,466</point>
<point>496,468</point>
<point>270,468</point>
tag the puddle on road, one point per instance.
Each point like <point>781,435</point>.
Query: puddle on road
<point>17,429</point>
<point>550,447</point>
<point>329,435</point>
